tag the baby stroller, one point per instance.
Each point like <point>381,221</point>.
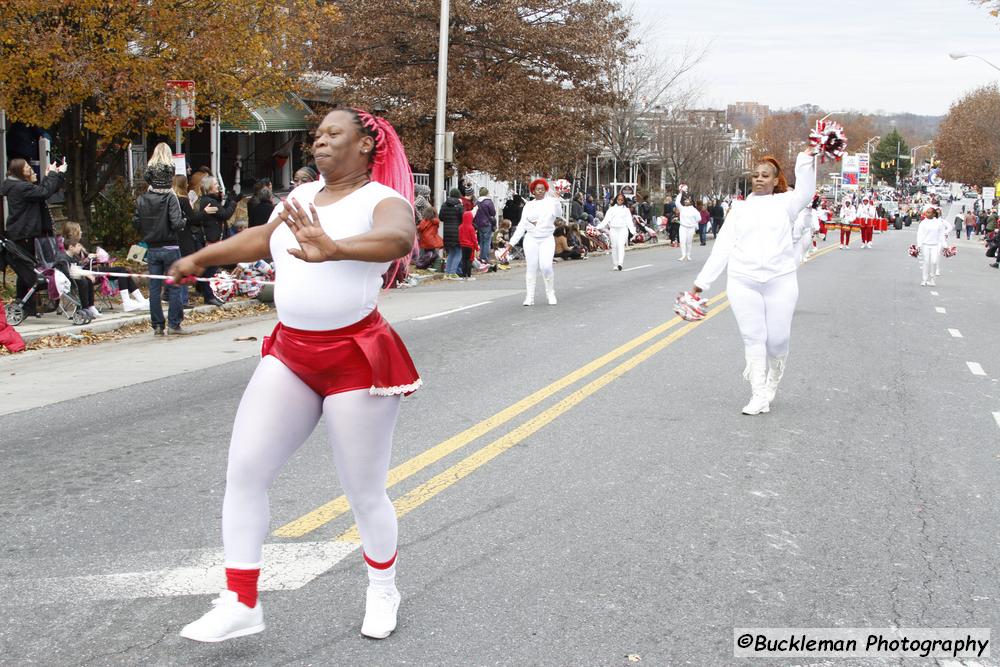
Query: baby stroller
<point>644,232</point>
<point>47,271</point>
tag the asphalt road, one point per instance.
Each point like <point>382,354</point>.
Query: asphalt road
<point>630,510</point>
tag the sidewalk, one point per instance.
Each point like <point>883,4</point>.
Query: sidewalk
<point>55,324</point>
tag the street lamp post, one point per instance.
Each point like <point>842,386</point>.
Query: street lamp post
<point>913,158</point>
<point>442,105</point>
<point>957,55</point>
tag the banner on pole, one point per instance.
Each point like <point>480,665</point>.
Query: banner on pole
<point>180,102</point>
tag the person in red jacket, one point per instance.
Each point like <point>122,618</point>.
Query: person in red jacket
<point>9,338</point>
<point>469,241</point>
<point>428,239</point>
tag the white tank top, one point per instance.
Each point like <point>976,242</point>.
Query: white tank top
<point>328,295</point>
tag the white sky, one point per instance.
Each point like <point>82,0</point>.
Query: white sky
<point>865,55</point>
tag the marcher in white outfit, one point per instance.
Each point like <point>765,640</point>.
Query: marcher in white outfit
<point>756,246</point>
<point>690,217</point>
<point>806,224</point>
<point>538,221</point>
<point>931,236</point>
<point>618,220</point>
<point>848,218</point>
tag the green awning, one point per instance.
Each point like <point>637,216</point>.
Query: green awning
<point>289,116</point>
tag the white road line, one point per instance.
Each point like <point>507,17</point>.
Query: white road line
<point>449,312</point>
<point>996,418</point>
<point>955,333</point>
<point>940,309</point>
<point>289,566</point>
<point>975,368</point>
<point>934,293</point>
<point>636,268</point>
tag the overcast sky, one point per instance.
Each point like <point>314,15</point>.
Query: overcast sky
<point>866,55</point>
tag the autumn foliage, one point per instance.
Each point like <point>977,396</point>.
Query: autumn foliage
<point>524,77</point>
<point>968,141</point>
<point>94,70</point>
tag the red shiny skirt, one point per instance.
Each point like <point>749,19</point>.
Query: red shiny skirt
<point>365,355</point>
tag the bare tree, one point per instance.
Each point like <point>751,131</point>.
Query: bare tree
<point>641,82</point>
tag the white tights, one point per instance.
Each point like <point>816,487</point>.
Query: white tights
<point>538,255</point>
<point>619,239</point>
<point>930,255</point>
<point>687,237</point>
<point>276,415</point>
<point>764,313</point>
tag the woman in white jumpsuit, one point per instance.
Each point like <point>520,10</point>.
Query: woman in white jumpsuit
<point>618,220</point>
<point>931,237</point>
<point>756,246</point>
<point>538,221</point>
<point>689,219</point>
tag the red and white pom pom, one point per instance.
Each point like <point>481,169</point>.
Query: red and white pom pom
<point>222,286</point>
<point>562,187</point>
<point>690,306</point>
<point>913,250</point>
<point>829,140</point>
<point>949,252</point>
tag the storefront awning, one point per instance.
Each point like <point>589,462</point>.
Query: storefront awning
<point>291,115</point>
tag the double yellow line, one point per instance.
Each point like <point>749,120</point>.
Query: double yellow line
<point>424,492</point>
<point>338,506</point>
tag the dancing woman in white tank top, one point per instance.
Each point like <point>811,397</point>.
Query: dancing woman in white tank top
<point>331,355</point>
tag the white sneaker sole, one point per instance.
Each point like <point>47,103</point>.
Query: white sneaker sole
<point>373,635</point>
<point>252,630</point>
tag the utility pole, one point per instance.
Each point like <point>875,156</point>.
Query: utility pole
<point>442,103</point>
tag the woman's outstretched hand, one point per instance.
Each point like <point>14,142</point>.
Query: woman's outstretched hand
<point>314,244</point>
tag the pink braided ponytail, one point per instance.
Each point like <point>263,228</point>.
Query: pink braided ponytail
<point>389,164</point>
<point>389,167</point>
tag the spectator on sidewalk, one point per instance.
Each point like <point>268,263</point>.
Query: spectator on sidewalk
<point>158,218</point>
<point>302,176</point>
<point>673,222</point>
<point>261,204</point>
<point>485,222</point>
<point>450,216</point>
<point>467,239</point>
<point>512,209</point>
<point>28,215</point>
<point>590,208</point>
<point>705,219</point>
<point>970,226</point>
<point>429,240</point>
<point>718,214</point>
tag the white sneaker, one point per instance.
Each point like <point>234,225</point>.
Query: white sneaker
<point>757,405</point>
<point>551,296</point>
<point>93,312</point>
<point>923,283</point>
<point>228,618</point>
<point>529,301</point>
<point>381,605</point>
<point>931,283</point>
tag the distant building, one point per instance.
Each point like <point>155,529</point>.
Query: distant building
<point>746,115</point>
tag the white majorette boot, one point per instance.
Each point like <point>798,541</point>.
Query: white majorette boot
<point>529,284</point>
<point>550,289</point>
<point>128,305</point>
<point>381,605</point>
<point>229,618</point>
<point>756,374</point>
<point>140,299</point>
<point>775,369</point>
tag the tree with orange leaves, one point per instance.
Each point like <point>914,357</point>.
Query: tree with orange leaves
<point>93,71</point>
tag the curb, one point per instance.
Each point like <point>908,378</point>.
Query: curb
<point>97,326</point>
